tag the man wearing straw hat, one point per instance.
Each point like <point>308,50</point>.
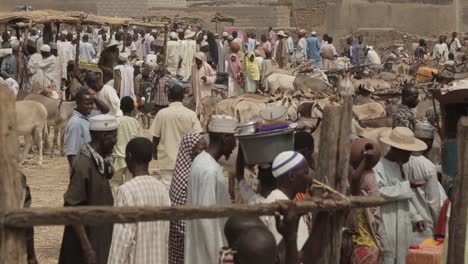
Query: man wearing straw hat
<point>108,60</point>
<point>188,48</point>
<point>400,216</point>
<point>281,50</point>
<point>207,186</point>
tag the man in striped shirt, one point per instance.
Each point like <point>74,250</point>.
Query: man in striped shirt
<point>143,242</point>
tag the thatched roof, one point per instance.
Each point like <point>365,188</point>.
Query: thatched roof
<point>174,16</point>
<point>69,17</point>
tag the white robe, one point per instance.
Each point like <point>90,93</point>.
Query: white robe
<point>37,78</point>
<point>397,217</point>
<point>207,186</point>
<point>188,48</point>
<point>302,48</point>
<point>270,222</point>
<point>126,84</point>
<point>441,53</point>
<point>51,68</point>
<point>427,199</point>
<point>173,56</point>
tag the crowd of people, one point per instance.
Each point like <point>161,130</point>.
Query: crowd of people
<point>109,156</point>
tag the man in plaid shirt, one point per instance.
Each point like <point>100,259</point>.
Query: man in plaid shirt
<point>143,242</point>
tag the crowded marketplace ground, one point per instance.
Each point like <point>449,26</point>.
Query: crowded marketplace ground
<point>176,118</point>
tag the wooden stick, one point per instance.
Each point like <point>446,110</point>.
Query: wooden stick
<point>94,215</point>
<point>12,245</point>
<point>459,211</point>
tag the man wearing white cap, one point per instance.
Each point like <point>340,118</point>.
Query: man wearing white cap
<point>89,186</point>
<point>207,186</point>
<point>428,199</point>
<point>398,218</point>
<point>313,48</point>
<point>302,45</point>
<point>291,171</point>
<point>188,48</point>
<point>173,53</point>
<point>123,77</point>
<point>87,51</point>
<point>51,69</point>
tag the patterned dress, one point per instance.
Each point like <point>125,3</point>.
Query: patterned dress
<point>178,195</point>
<point>404,117</point>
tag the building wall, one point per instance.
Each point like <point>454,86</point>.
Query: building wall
<point>344,16</point>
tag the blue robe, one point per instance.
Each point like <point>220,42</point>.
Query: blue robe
<point>313,48</point>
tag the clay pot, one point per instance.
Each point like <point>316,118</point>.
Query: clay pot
<point>357,152</point>
<point>235,47</point>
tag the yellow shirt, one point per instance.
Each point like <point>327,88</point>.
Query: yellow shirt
<point>364,238</point>
<point>170,125</point>
<point>129,128</point>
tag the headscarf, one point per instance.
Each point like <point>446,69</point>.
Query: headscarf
<point>235,68</point>
<point>251,67</point>
<point>201,56</point>
<point>185,157</point>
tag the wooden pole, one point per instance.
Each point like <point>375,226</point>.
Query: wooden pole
<point>78,40</point>
<point>458,233</point>
<point>94,215</point>
<point>12,241</point>
<point>333,168</point>
<point>165,47</point>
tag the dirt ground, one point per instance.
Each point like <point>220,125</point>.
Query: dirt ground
<point>48,184</point>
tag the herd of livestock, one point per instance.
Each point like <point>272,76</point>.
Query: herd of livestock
<point>305,91</point>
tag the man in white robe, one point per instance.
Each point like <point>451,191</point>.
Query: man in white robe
<point>292,174</point>
<point>51,68</point>
<point>427,199</point>
<point>207,186</point>
<point>302,45</point>
<point>173,53</point>
<point>188,48</point>
<point>123,81</point>
<point>399,216</point>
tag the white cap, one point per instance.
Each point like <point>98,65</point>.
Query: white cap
<point>225,34</point>
<point>4,52</point>
<point>287,162</point>
<point>313,33</point>
<point>173,35</point>
<point>204,44</point>
<point>103,123</point>
<point>222,124</point>
<point>64,32</point>
<point>15,43</point>
<point>45,48</point>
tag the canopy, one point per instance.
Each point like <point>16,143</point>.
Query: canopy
<point>69,17</point>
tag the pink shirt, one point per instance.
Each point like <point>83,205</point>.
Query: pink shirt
<point>266,46</point>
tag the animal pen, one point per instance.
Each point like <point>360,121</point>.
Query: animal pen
<point>332,169</point>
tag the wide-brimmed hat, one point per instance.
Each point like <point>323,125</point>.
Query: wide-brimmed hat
<point>112,43</point>
<point>189,34</point>
<point>281,33</point>
<point>403,138</point>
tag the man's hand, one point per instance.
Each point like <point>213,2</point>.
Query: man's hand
<point>287,225</point>
<point>417,184</point>
<point>89,256</point>
<point>204,79</point>
<point>421,226</point>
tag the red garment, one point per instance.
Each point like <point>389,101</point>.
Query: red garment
<point>441,227</point>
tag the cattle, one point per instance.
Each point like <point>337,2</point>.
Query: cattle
<point>31,119</point>
<point>280,83</point>
<point>58,114</point>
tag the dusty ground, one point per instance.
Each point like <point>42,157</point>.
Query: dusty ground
<point>48,184</point>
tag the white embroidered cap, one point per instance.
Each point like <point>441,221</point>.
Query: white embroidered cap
<point>103,123</point>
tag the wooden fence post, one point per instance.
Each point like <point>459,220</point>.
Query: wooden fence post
<point>333,169</point>
<point>12,241</point>
<point>459,211</point>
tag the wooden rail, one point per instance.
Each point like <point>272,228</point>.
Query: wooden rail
<point>94,215</point>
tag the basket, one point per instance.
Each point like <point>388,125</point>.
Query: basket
<point>263,147</point>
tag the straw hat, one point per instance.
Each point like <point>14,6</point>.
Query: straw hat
<point>403,138</point>
<point>111,43</point>
<point>281,33</point>
<point>189,34</point>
